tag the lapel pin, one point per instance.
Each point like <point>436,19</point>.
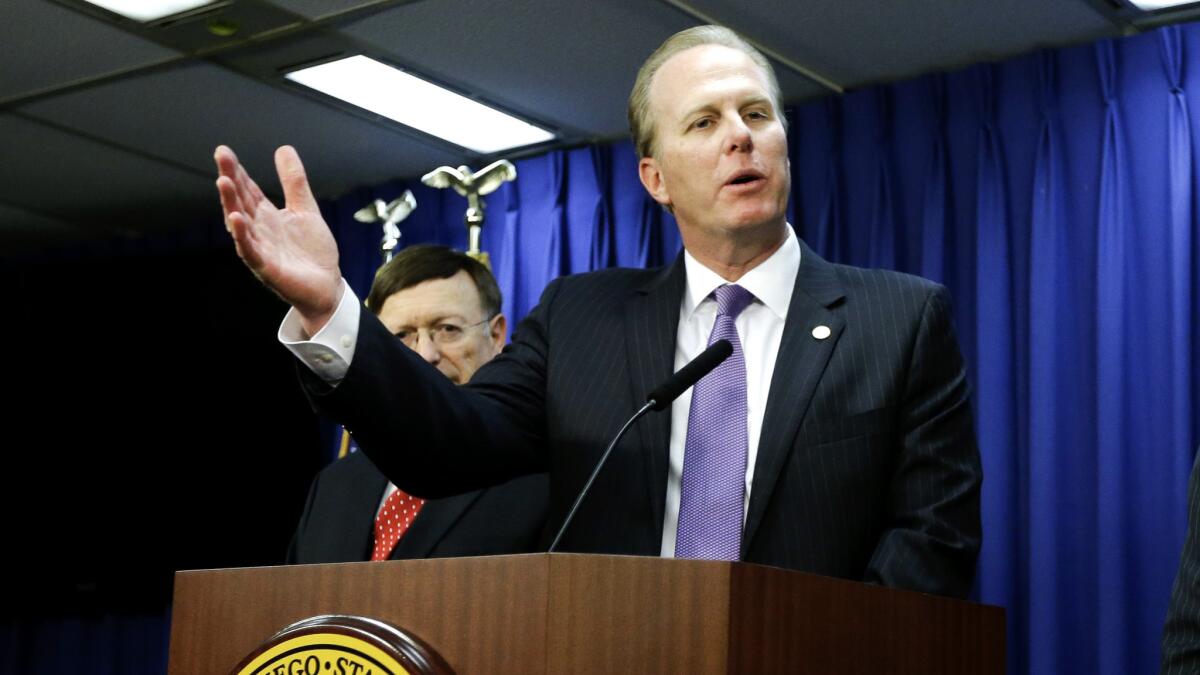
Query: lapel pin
<point>821,332</point>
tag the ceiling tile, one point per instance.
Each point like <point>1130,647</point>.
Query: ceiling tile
<point>184,113</point>
<point>49,172</point>
<point>43,45</point>
<point>316,9</point>
<point>795,87</point>
<point>856,43</point>
<point>569,63</point>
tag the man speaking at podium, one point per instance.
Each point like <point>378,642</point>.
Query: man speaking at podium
<point>837,439</point>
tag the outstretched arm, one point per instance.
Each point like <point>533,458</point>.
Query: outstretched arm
<point>291,250</point>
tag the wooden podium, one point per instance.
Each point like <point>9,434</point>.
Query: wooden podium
<point>567,613</point>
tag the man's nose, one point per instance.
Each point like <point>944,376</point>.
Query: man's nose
<point>740,139</point>
<point>427,349</point>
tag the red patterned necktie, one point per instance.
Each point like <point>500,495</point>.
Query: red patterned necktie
<point>393,520</point>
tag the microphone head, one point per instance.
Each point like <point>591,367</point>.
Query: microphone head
<point>690,374</point>
<point>721,349</point>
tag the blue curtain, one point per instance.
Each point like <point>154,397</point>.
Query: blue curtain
<point>1055,195</point>
<point>91,642</point>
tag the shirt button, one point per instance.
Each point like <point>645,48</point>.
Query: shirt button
<point>346,342</point>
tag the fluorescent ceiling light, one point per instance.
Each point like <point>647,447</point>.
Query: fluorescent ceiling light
<point>149,10</point>
<point>411,101</point>
<point>1153,5</point>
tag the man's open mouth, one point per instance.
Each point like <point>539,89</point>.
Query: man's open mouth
<point>744,178</point>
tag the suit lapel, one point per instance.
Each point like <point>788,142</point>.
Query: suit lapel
<point>431,525</point>
<point>651,321</point>
<point>798,368</point>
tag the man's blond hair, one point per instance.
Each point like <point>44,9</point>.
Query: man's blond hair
<point>641,124</point>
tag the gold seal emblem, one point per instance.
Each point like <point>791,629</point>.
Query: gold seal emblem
<point>342,645</point>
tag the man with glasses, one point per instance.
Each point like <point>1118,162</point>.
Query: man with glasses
<point>444,306</point>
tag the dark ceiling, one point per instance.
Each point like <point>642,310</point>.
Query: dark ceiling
<point>108,126</point>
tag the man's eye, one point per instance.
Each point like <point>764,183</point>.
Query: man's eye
<point>449,329</point>
<point>758,115</point>
<point>702,124</point>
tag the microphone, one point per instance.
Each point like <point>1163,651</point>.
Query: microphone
<point>688,375</point>
<point>657,400</point>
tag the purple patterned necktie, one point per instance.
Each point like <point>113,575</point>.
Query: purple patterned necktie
<point>714,456</point>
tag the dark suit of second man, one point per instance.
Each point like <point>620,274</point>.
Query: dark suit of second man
<point>445,307</point>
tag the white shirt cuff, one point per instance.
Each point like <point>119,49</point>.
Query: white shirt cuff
<point>328,353</point>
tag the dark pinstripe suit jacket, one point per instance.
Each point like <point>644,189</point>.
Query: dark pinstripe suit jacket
<point>339,518</point>
<point>1181,634</point>
<point>867,468</point>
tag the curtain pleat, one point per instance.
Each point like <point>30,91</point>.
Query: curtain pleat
<point>1112,364</point>
<point>830,229</point>
<point>505,261</point>
<point>1049,258</point>
<point>1182,201</point>
<point>996,385</point>
<point>882,234</point>
<point>558,258</point>
<point>602,253</point>
<point>935,212</point>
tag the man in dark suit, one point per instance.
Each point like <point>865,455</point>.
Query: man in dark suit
<point>836,439</point>
<point>1181,633</point>
<point>445,306</point>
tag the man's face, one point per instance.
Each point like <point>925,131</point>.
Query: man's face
<point>720,158</point>
<point>443,321</point>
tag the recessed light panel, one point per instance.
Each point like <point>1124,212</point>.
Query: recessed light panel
<point>149,10</point>
<point>422,105</point>
<point>1155,5</point>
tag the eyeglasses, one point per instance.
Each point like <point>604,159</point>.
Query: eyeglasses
<point>443,333</point>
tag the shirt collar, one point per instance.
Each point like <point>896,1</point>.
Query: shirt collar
<point>771,281</point>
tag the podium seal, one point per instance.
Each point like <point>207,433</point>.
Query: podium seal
<point>343,645</point>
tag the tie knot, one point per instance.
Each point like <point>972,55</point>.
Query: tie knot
<point>732,299</point>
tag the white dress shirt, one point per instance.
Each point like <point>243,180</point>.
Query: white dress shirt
<point>760,329</point>
<point>330,351</point>
<point>759,326</point>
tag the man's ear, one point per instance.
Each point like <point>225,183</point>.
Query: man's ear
<point>498,329</point>
<point>652,180</point>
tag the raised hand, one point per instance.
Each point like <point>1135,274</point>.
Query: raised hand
<point>291,250</point>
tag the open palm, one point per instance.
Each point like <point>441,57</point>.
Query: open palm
<point>290,249</point>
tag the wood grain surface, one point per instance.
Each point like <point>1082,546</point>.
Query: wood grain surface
<point>568,613</point>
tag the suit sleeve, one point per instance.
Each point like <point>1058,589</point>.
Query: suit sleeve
<point>933,535</point>
<point>431,437</point>
<point>1181,634</point>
